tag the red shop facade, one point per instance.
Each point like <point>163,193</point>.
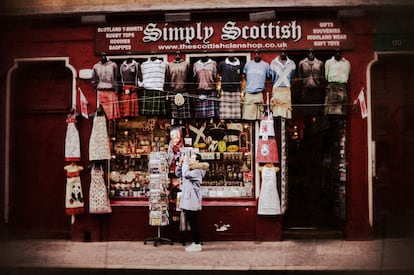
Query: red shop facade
<point>322,165</point>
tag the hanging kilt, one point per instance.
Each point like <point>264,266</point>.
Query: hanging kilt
<point>229,105</point>
<point>176,108</point>
<point>129,101</point>
<point>109,101</point>
<point>152,103</point>
<point>336,99</point>
<point>206,107</point>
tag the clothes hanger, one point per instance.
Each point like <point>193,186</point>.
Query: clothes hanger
<point>178,57</point>
<point>257,57</point>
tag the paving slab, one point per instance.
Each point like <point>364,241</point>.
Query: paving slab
<point>379,256</point>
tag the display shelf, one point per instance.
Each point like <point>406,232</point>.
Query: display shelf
<point>230,175</point>
<point>141,202</point>
<point>158,195</point>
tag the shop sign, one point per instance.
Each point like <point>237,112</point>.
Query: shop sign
<point>222,36</point>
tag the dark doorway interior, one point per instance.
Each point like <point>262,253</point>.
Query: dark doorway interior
<point>393,133</point>
<point>316,161</point>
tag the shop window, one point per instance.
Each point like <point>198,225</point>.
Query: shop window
<point>226,146</point>
<point>132,141</point>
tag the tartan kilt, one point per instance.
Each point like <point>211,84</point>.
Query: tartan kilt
<point>109,101</point>
<point>208,107</point>
<point>128,104</point>
<point>175,111</point>
<point>229,105</point>
<point>152,102</point>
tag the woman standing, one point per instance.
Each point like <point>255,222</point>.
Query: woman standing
<point>192,172</point>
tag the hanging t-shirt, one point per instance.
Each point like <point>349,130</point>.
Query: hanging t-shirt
<point>282,72</point>
<point>105,75</point>
<point>230,72</point>
<point>205,72</point>
<point>311,72</point>
<point>256,74</point>
<point>130,72</point>
<point>153,74</point>
<point>177,74</point>
<point>337,71</point>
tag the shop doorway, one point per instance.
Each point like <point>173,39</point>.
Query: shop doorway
<point>392,130</point>
<point>40,99</point>
<point>316,160</point>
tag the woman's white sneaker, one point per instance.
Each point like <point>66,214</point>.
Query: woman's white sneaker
<point>193,248</point>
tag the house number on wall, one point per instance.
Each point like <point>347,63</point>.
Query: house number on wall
<point>396,43</point>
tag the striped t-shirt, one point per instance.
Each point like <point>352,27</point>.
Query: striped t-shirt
<point>153,74</point>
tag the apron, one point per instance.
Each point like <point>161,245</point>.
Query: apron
<point>98,196</point>
<point>99,148</point>
<point>74,201</point>
<point>269,202</point>
<point>72,140</point>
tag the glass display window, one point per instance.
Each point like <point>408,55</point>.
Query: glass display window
<point>132,140</point>
<point>226,146</point>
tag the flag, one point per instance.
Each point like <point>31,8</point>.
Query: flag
<point>362,104</point>
<point>83,104</point>
<point>360,100</point>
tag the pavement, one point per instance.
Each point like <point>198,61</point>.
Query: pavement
<point>317,256</point>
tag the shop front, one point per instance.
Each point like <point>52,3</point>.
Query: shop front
<point>273,107</point>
